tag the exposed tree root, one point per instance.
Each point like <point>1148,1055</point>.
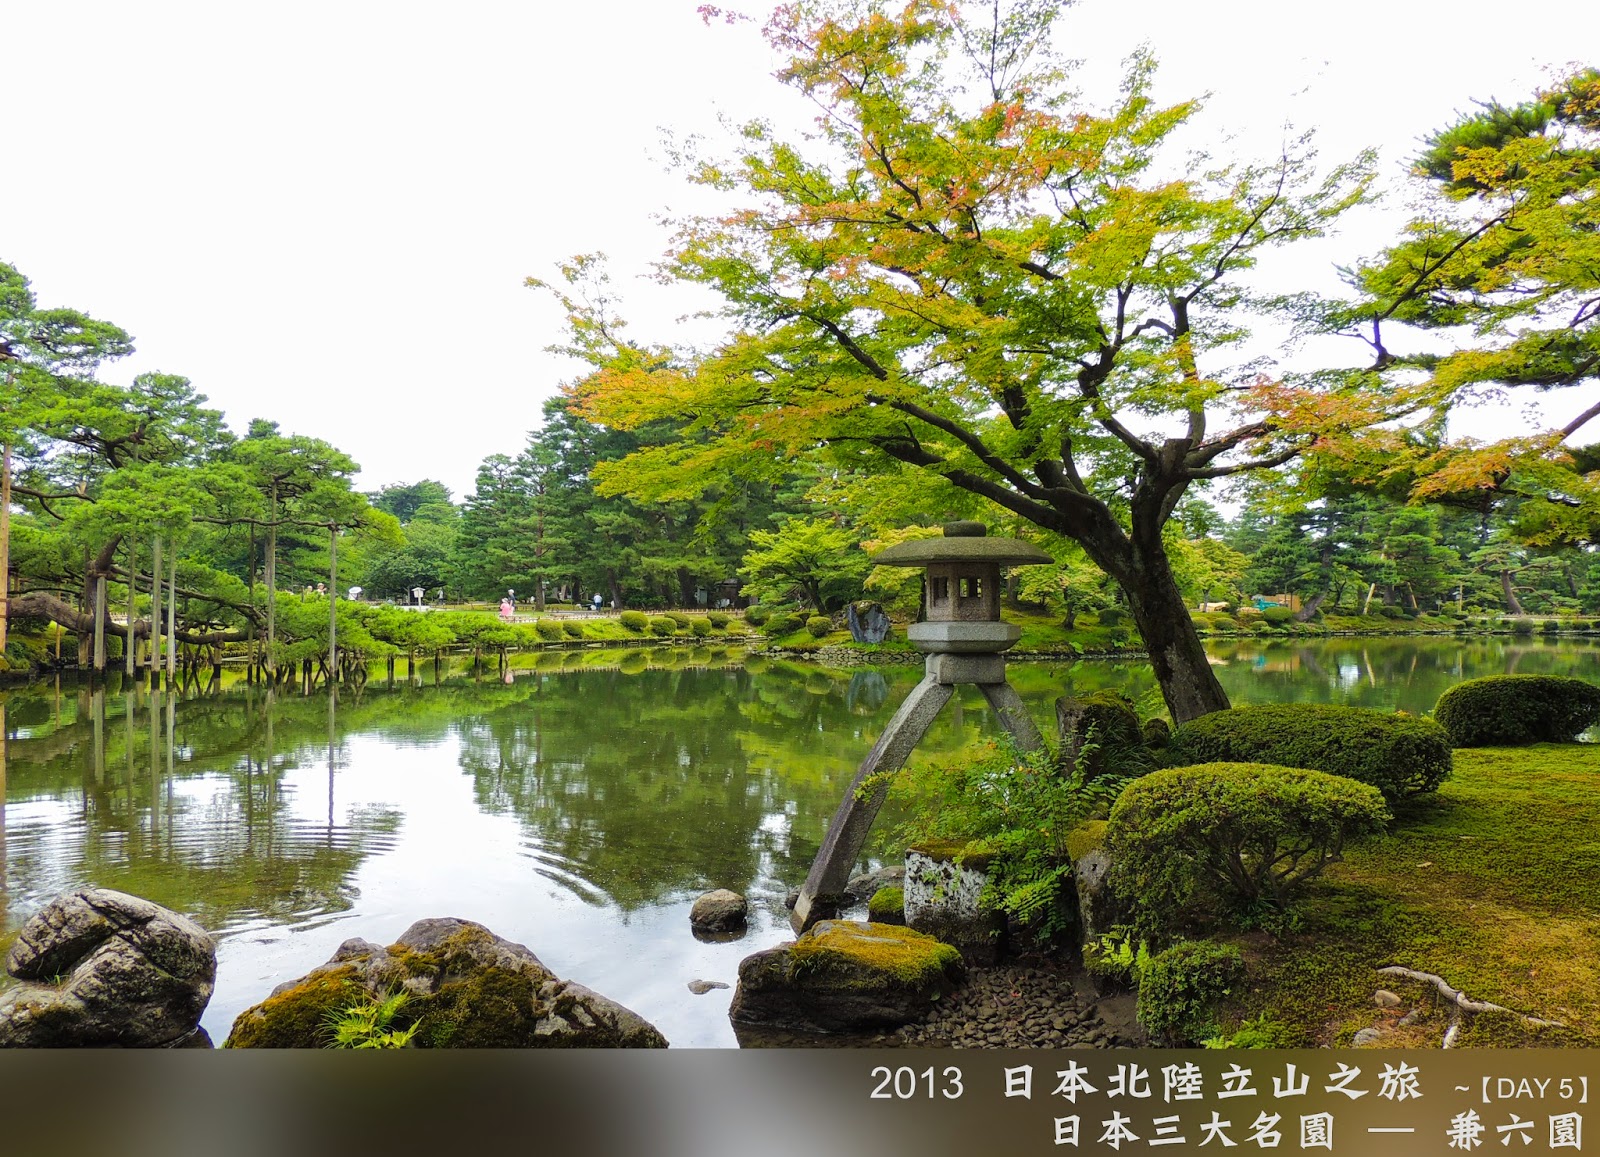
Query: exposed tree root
<point>1463,1003</point>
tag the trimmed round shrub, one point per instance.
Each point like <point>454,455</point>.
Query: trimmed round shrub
<point>549,630</point>
<point>1390,611</point>
<point>699,628</point>
<point>661,625</point>
<point>757,614</point>
<point>573,629</point>
<point>1549,627</point>
<point>718,619</point>
<point>819,625</point>
<point>634,620</point>
<point>680,618</point>
<point>1400,755</point>
<point>1180,988</point>
<point>1113,617</point>
<point>1277,615</point>
<point>1230,839</point>
<point>782,623</point>
<point>1509,709</point>
<point>1522,626</point>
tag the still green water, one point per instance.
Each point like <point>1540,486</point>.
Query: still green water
<point>578,807</point>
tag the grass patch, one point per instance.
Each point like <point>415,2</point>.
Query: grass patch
<point>1488,884</point>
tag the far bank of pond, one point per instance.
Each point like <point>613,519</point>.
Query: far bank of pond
<point>579,807</point>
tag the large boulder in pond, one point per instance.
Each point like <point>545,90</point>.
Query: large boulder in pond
<point>465,988</point>
<point>106,969</point>
<point>845,975</point>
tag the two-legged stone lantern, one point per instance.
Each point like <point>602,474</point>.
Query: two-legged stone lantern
<point>964,638</point>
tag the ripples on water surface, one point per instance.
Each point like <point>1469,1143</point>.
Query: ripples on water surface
<point>578,809</point>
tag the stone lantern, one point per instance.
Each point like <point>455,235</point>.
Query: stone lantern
<point>964,639</point>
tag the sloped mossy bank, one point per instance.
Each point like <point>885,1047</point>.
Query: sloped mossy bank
<point>1488,884</point>
<point>461,986</point>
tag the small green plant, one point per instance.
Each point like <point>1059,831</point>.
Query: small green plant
<point>634,620</point>
<point>1180,987</point>
<point>680,618</point>
<point>1257,1033</point>
<point>369,1024</point>
<point>1015,809</point>
<point>819,625</point>
<point>1118,957</point>
<point>662,625</point>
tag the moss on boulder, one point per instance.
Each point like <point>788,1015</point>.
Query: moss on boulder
<point>468,989</point>
<point>845,975</point>
<point>887,906</point>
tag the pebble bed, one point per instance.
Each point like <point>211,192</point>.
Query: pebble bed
<point>1022,1004</point>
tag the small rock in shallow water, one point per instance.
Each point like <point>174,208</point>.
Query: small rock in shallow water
<point>719,911</point>
<point>701,987</point>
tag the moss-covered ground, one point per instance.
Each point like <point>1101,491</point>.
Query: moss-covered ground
<point>1489,884</point>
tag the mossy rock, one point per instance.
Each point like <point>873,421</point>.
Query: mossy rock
<point>467,988</point>
<point>846,975</point>
<point>887,906</point>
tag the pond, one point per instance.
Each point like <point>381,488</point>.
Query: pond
<point>578,807</point>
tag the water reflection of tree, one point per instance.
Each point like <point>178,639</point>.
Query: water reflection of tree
<point>181,800</point>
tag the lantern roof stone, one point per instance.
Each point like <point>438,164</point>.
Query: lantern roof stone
<point>962,542</point>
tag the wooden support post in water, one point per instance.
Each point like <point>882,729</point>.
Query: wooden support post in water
<point>333,608</point>
<point>100,625</point>
<point>172,617</point>
<point>155,612</point>
<point>128,656</point>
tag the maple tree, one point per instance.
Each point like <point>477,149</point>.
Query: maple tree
<point>965,275</point>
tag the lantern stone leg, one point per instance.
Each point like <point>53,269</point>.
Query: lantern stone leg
<point>847,832</point>
<point>1013,715</point>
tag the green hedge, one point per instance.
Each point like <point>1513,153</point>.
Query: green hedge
<point>1277,615</point>
<point>699,628</point>
<point>1506,709</point>
<point>1229,839</point>
<point>819,625</point>
<point>573,628</point>
<point>661,625</point>
<point>1400,755</point>
<point>634,620</point>
<point>718,619</point>
<point>757,614</point>
<point>680,618</point>
<point>1180,988</point>
<point>549,629</point>
<point>782,623</point>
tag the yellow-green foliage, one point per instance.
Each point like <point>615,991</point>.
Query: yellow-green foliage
<point>899,953</point>
<point>298,1018</point>
<point>888,905</point>
<point>1085,838</point>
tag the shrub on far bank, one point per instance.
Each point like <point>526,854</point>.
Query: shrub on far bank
<point>634,620</point>
<point>782,623</point>
<point>718,619</point>
<point>1513,709</point>
<point>1277,615</point>
<point>679,617</point>
<point>757,614</point>
<point>1400,755</point>
<point>549,630</point>
<point>819,625</point>
<point>661,625</point>
<point>1233,840</point>
<point>573,629</point>
<point>699,628</point>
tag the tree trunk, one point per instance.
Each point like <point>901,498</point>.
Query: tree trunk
<point>685,587</point>
<point>100,624</point>
<point>1309,611</point>
<point>172,615</point>
<point>1512,604</point>
<point>272,584</point>
<point>333,604</point>
<point>1188,683</point>
<point>616,590</point>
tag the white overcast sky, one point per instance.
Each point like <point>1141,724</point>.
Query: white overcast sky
<point>322,213</point>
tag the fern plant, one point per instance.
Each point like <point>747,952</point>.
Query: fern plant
<point>369,1023</point>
